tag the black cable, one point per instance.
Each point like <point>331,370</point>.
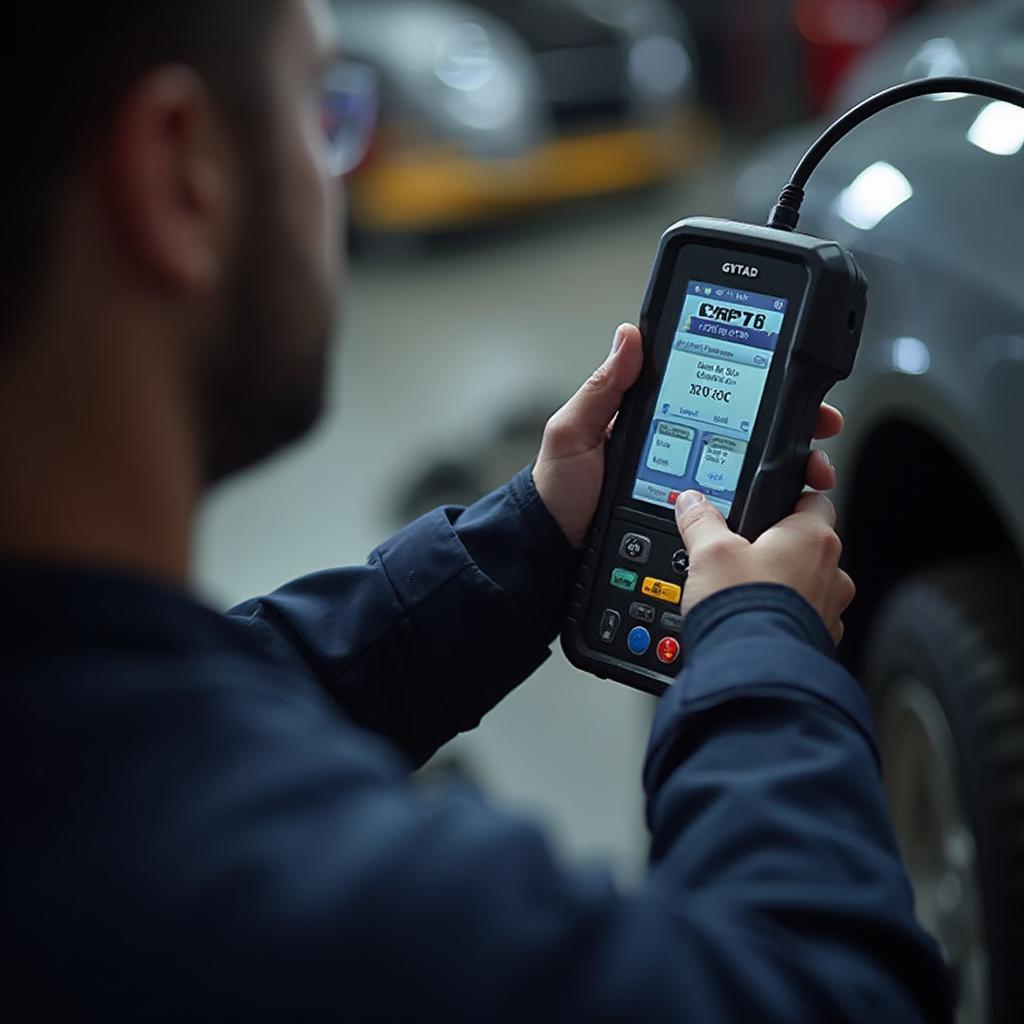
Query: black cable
<point>785,214</point>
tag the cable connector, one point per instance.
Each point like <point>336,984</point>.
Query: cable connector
<point>785,213</point>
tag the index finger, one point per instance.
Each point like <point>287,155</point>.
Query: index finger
<point>813,505</point>
<point>830,422</point>
<point>814,515</point>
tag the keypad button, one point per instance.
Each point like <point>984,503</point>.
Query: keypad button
<point>609,627</point>
<point>672,622</point>
<point>668,650</point>
<point>671,593</point>
<point>681,562</point>
<point>639,640</point>
<point>623,579</point>
<point>635,548</point>
<point>643,612</point>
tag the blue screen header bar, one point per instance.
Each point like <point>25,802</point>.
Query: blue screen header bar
<point>753,300</point>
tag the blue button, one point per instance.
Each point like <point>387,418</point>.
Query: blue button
<point>639,640</point>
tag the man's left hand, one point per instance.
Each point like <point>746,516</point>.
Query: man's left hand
<point>570,468</point>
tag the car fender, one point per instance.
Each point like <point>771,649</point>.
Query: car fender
<point>947,415</point>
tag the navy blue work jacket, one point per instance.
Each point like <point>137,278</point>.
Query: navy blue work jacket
<point>210,818</point>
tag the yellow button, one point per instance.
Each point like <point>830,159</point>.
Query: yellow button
<point>670,592</point>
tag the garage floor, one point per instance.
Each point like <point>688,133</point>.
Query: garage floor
<point>441,347</point>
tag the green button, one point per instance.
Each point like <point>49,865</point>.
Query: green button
<point>624,579</point>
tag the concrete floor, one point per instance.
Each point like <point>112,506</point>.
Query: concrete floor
<point>436,348</point>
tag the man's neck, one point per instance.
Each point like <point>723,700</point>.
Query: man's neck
<point>97,462</point>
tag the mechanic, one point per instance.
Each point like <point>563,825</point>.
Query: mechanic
<point>211,817</point>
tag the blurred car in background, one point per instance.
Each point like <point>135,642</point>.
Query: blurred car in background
<point>493,106</point>
<point>931,499</point>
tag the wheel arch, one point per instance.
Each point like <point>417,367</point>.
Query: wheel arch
<point>908,489</point>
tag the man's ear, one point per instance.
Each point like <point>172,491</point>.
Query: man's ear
<point>171,170</point>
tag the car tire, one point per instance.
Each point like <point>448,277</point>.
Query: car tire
<point>944,667</point>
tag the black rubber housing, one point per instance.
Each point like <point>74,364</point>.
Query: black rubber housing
<point>817,347</point>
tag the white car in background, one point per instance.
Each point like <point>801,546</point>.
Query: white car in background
<point>497,106</point>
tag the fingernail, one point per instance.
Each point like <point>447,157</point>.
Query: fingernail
<point>688,500</point>
<point>620,337</point>
<point>828,458</point>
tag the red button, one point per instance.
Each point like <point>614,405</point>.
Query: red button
<point>668,650</point>
<point>673,497</point>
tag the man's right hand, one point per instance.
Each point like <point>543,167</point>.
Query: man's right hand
<point>802,552</point>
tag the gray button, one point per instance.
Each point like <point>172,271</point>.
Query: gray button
<point>609,625</point>
<point>681,562</point>
<point>643,612</point>
<point>646,491</point>
<point>635,548</point>
<point>672,622</point>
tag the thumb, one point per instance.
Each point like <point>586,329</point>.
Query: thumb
<point>589,412</point>
<point>699,521</point>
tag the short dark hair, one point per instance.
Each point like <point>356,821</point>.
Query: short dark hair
<point>70,63</point>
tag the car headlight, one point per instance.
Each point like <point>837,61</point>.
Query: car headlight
<point>484,86</point>
<point>660,66</point>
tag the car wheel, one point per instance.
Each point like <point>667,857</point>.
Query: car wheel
<point>944,666</point>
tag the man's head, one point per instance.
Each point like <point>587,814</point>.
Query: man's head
<point>166,174</point>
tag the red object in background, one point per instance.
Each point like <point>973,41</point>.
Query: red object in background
<point>835,32</point>
<point>767,63</point>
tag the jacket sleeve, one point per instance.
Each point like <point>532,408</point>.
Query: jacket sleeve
<point>443,621</point>
<point>775,893</point>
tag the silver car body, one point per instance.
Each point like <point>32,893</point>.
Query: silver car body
<point>928,197</point>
